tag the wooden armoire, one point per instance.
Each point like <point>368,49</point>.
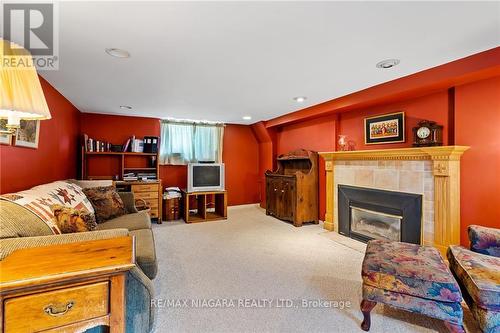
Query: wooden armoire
<point>292,190</point>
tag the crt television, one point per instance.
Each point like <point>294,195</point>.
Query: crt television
<point>205,177</point>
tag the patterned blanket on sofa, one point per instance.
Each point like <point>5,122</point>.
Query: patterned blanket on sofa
<point>40,198</point>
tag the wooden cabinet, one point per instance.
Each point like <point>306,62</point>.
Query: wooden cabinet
<point>66,288</point>
<point>292,190</point>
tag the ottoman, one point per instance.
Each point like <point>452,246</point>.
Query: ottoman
<point>410,277</point>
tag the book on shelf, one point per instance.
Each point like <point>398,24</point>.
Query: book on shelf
<point>138,146</point>
<point>131,142</point>
<point>96,145</point>
<point>92,145</point>
<point>126,145</point>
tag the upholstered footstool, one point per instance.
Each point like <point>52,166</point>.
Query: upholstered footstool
<point>410,277</point>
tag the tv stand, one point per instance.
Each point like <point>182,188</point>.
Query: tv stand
<point>208,206</point>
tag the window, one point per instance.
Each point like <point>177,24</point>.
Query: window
<point>188,142</point>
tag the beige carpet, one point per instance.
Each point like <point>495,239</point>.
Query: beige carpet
<point>241,274</point>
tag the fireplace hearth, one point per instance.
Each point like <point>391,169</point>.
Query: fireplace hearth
<point>366,214</point>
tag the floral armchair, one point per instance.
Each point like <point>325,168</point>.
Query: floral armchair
<point>478,273</point>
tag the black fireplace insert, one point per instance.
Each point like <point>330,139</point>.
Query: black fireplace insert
<point>366,213</point>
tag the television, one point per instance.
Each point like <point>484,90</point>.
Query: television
<point>205,177</point>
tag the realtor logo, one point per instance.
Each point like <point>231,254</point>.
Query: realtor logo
<point>32,26</point>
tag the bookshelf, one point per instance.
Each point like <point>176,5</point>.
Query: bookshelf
<point>124,167</point>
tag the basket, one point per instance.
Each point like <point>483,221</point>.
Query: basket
<point>142,205</point>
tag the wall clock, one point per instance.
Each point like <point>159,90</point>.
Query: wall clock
<point>427,133</point>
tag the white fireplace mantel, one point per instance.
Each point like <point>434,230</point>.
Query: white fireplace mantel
<point>444,169</point>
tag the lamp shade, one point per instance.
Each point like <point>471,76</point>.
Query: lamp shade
<point>21,95</point>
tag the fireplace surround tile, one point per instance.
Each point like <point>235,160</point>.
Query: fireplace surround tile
<point>363,177</point>
<point>411,181</point>
<point>385,179</point>
<point>390,164</point>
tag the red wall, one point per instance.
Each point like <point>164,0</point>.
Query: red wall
<point>240,153</point>
<point>267,150</point>
<point>477,124</point>
<point>431,107</point>
<point>56,156</point>
<point>318,135</point>
<point>241,158</point>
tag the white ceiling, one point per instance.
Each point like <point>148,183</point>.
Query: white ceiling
<point>223,60</point>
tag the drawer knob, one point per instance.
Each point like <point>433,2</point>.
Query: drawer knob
<point>56,311</point>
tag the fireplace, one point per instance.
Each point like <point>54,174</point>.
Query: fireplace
<point>366,214</point>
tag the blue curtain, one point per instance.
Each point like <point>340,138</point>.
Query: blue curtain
<point>187,142</point>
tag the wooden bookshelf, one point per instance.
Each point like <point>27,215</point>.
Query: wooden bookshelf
<point>87,157</point>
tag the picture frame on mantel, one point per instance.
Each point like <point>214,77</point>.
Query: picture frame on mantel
<point>386,128</point>
<point>28,133</point>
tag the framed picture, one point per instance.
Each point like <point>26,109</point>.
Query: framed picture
<point>27,134</point>
<point>4,139</point>
<point>387,128</point>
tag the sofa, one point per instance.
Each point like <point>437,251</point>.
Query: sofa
<point>477,271</point>
<point>20,228</point>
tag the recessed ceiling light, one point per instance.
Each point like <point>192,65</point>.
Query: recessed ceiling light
<point>388,63</point>
<point>125,107</point>
<point>300,99</point>
<point>118,53</point>
<point>247,118</point>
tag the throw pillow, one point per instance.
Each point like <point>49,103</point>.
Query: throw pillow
<point>106,202</point>
<point>70,220</point>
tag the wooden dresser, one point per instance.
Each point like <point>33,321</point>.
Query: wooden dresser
<point>292,190</point>
<point>150,192</point>
<point>42,290</point>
